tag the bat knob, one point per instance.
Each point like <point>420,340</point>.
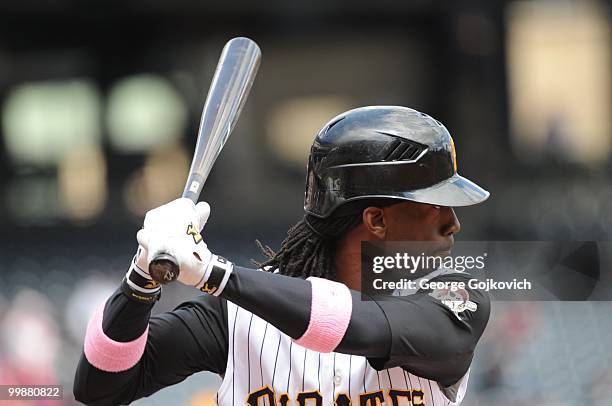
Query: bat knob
<point>164,268</point>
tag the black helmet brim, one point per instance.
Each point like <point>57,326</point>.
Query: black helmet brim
<point>455,191</point>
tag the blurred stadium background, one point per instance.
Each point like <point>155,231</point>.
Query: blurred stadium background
<point>99,106</point>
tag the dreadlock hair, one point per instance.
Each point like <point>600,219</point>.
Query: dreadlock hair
<point>309,247</point>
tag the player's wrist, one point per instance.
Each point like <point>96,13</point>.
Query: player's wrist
<point>216,274</point>
<point>137,283</point>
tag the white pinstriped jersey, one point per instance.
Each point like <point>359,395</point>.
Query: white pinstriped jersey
<point>265,368</point>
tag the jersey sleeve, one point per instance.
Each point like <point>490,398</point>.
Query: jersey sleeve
<point>191,338</point>
<point>434,332</point>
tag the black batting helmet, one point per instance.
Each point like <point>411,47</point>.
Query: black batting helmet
<point>382,153</point>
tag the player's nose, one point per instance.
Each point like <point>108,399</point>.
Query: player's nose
<point>451,224</point>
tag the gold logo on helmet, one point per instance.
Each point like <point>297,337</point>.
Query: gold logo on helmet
<point>192,231</point>
<point>453,155</point>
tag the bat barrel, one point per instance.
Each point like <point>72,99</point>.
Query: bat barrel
<point>228,91</point>
<point>231,84</point>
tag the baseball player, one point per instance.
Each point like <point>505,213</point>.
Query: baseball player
<point>301,333</point>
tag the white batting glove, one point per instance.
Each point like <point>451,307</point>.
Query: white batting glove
<point>174,229</point>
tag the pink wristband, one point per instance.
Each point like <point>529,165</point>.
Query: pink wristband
<point>109,355</point>
<point>330,313</point>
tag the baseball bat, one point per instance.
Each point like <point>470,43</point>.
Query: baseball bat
<point>228,91</point>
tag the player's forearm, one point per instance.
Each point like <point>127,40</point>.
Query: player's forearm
<point>124,319</point>
<point>115,341</point>
<point>130,354</point>
<point>121,323</point>
<point>287,303</point>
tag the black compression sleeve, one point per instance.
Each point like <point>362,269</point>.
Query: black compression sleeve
<point>416,332</point>
<point>189,339</point>
<point>125,319</point>
<point>285,302</point>
<point>281,300</point>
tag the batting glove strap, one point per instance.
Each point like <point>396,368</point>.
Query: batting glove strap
<point>216,276</point>
<point>138,284</point>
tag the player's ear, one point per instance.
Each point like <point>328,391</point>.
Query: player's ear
<point>375,222</point>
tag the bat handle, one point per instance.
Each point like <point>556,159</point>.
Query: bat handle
<point>193,187</point>
<point>164,267</point>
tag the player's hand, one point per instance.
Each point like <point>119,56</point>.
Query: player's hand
<point>174,229</point>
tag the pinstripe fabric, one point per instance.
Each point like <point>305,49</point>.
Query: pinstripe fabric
<point>261,356</point>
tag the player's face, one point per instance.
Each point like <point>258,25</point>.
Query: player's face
<point>410,221</point>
